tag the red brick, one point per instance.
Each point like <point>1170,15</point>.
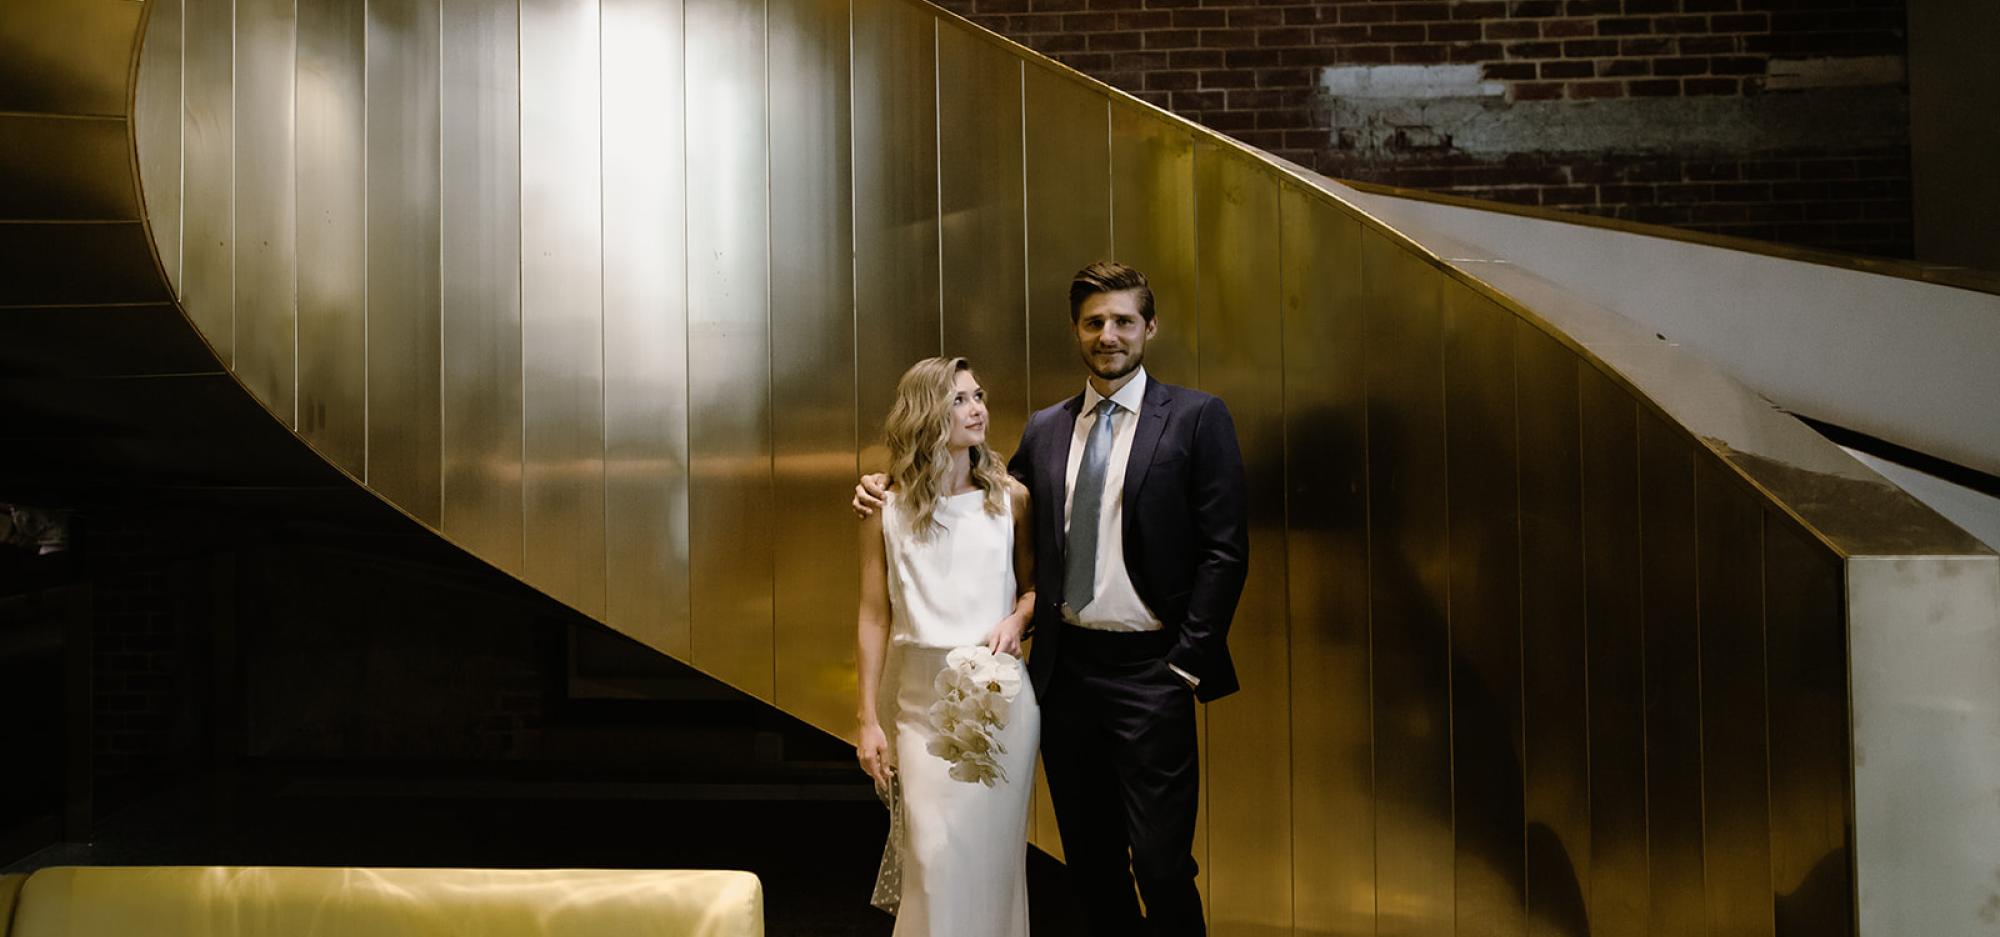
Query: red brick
<point>1306,139</point>
<point>1707,45</point>
<point>1586,90</point>
<point>1510,71</point>
<point>1564,29</point>
<point>1624,68</point>
<point>1653,87</point>
<point>1680,24</point>
<point>1114,42</point>
<point>1590,48</point>
<point>1523,9</point>
<point>1200,19</point>
<point>1630,26</point>
<point>1422,12</point>
<point>1365,55</point>
<point>1367,13</point>
<point>1681,66</point>
<point>1229,121</point>
<point>1057,6</point>
<point>1453,32</point>
<point>1171,38</point>
<point>1475,52</point>
<point>1737,65</point>
<point>1741,23</point>
<point>1172,81</point>
<point>1710,172</point>
<point>1711,6</point>
<point>1560,70</point>
<point>1534,50</point>
<point>1228,78</point>
<point>1639,7</point>
<point>1634,48</point>
<point>1316,57</point>
<point>1249,60</point>
<point>1401,32</point>
<point>1256,17</point>
<point>1339,35</point>
<point>1190,101</point>
<point>1228,38</point>
<point>1513,29</point>
<point>1479,10</point>
<point>1250,99</point>
<point>1144,19</point>
<point>1593,7</point>
<point>1139,61</point>
<point>1743,192</point>
<point>1420,54</point>
<point>1195,58</point>
<point>1285,36</point>
<point>1285,78</point>
<point>1538,91</point>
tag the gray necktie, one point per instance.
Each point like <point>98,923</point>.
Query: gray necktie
<point>1085,510</point>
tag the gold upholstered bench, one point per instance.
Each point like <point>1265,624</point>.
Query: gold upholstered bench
<point>331,902</point>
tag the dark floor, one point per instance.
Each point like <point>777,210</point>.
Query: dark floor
<point>817,858</point>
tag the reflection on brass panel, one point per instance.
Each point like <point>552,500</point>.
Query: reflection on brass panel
<point>981,217</point>
<point>68,56</point>
<point>1812,824</point>
<point>1617,888</point>
<point>1069,221</point>
<point>729,405</point>
<point>333,231</point>
<point>895,204</point>
<point>1673,679</point>
<point>645,324</point>
<point>1555,701</point>
<point>1407,590</point>
<point>1152,228</point>
<point>1736,816</point>
<point>1249,733</point>
<point>562,331</point>
<point>1326,552</point>
<point>812,356</point>
<point>481,281</point>
<point>403,397</point>
<point>208,174</point>
<point>267,309</point>
<point>60,168</point>
<point>1485,601</point>
<point>156,130</point>
<point>77,264</point>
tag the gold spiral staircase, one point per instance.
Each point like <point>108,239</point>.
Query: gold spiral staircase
<point>1550,627</point>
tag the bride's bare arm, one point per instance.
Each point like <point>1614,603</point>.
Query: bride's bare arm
<point>872,647</point>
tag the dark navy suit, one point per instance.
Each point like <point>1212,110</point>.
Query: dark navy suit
<point>1118,727</point>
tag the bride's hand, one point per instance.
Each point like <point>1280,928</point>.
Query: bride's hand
<point>1005,638</point>
<point>873,753</point>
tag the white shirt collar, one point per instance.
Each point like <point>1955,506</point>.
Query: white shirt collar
<point>1127,398</point>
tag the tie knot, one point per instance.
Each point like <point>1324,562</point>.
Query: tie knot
<point>1104,408</point>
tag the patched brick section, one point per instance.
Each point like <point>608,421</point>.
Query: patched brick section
<point>1249,69</point>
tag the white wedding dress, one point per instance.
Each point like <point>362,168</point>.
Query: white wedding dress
<point>964,857</point>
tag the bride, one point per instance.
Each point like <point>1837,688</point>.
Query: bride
<point>948,564</point>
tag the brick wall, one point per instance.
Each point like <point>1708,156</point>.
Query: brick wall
<point>1734,116</point>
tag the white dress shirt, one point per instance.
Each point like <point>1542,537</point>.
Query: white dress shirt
<point>1115,605</point>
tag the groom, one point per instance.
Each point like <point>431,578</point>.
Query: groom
<point>1141,546</point>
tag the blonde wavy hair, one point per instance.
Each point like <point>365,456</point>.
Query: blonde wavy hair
<point>918,430</point>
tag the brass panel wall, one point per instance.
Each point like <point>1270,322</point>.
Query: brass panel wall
<point>1507,632</point>
<point>982,224</point>
<point>1812,796</point>
<point>729,377</point>
<point>1555,661</point>
<point>1736,820</point>
<point>156,130</point>
<point>87,72</point>
<point>1326,553</point>
<point>812,360</point>
<point>1408,589</point>
<point>66,169</point>
<point>562,277</point>
<point>332,187</point>
<point>1673,680</point>
<point>208,172</point>
<point>404,455</point>
<point>645,323</point>
<point>267,278</point>
<point>1249,733</point>
<point>1153,229</point>
<point>1482,496</point>
<point>480,319</point>
<point>1616,891</point>
<point>896,248</point>
<point>1068,155</point>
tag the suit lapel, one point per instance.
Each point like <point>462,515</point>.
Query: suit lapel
<point>1152,422</point>
<point>1055,466</point>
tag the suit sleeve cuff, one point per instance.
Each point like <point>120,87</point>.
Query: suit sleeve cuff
<point>1192,680</point>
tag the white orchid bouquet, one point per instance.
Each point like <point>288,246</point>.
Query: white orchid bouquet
<point>975,691</point>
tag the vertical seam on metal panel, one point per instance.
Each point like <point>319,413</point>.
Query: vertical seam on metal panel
<point>1110,184</point>
<point>1645,742</point>
<point>687,349</point>
<point>367,414</point>
<point>235,147</point>
<point>1583,562</point>
<point>440,266</point>
<point>603,327</point>
<point>1514,327</point>
<point>853,239</point>
<point>770,393</point>
<point>180,167</point>
<point>1700,688</point>
<point>296,404</point>
<point>1368,560</point>
<point>1285,574</point>
<point>521,265</point>
<point>937,179</point>
<point>1764,672</point>
<point>1450,676</point>
<point>1027,281</point>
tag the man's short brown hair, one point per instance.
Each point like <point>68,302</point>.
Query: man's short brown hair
<point>1109,276</point>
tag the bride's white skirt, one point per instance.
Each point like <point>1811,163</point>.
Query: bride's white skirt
<point>965,859</point>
